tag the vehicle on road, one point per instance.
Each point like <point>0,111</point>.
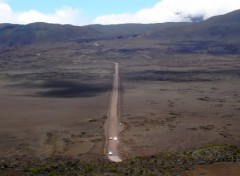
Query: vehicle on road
<point>110,153</point>
<point>110,138</point>
<point>115,138</point>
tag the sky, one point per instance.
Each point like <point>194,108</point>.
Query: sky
<point>84,12</point>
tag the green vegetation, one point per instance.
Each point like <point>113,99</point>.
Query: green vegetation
<point>163,164</point>
<point>52,174</point>
<point>35,170</point>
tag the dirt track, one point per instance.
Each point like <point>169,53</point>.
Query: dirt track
<point>112,131</point>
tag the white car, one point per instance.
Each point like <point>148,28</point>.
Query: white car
<point>110,138</point>
<point>110,153</point>
<point>115,138</point>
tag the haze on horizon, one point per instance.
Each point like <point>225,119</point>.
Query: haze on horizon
<point>112,12</point>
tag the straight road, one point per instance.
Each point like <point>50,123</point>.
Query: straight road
<point>113,123</point>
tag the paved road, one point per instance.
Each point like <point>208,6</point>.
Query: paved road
<point>112,131</point>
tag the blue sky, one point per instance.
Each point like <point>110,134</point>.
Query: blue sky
<point>84,12</point>
<point>89,8</point>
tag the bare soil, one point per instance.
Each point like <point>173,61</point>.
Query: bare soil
<point>53,102</point>
<point>216,169</point>
<point>54,98</point>
<point>179,102</point>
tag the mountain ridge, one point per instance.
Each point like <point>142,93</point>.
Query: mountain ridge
<point>217,28</point>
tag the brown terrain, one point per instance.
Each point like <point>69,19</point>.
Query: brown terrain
<point>217,169</point>
<point>170,105</point>
<point>58,110</point>
<point>174,95</point>
<point>166,105</point>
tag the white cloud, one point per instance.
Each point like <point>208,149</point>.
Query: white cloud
<point>65,15</point>
<point>5,12</point>
<point>163,11</point>
<point>173,11</point>
<point>62,16</point>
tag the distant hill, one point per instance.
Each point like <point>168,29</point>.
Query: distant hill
<point>220,28</point>
<point>12,34</point>
<point>225,27</point>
